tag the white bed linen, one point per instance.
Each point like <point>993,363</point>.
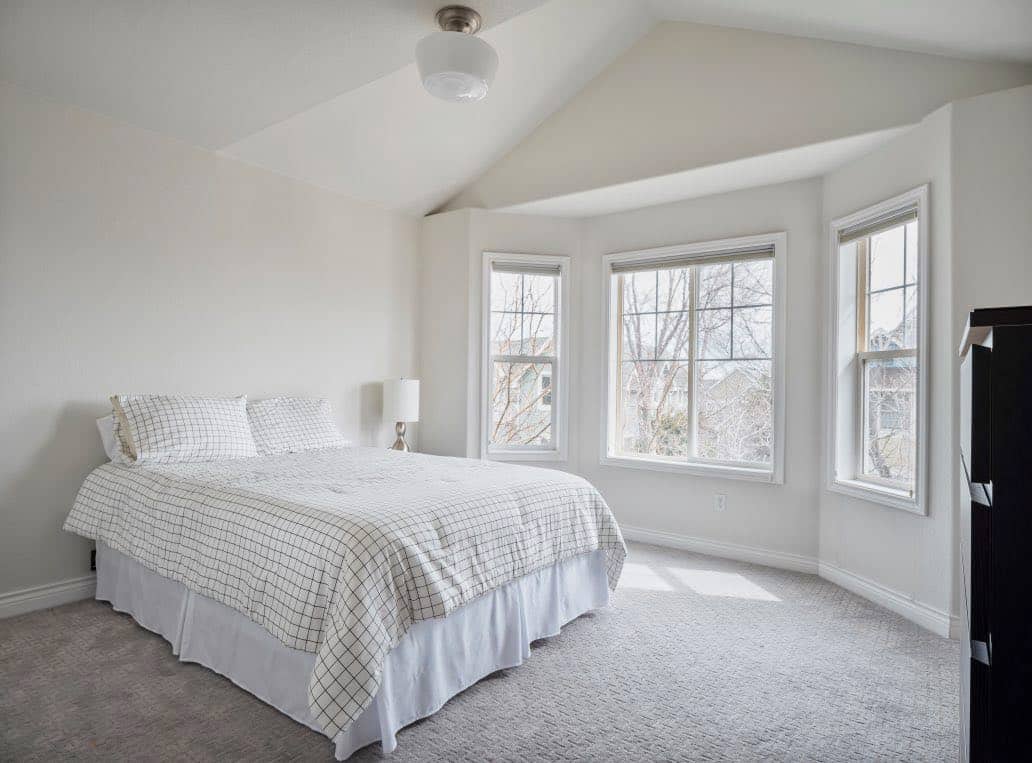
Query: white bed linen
<point>433,662</point>
<point>340,551</point>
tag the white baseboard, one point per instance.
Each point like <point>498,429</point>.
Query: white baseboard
<point>48,595</point>
<point>781,559</point>
<point>935,620</point>
<point>955,628</point>
<point>931,618</point>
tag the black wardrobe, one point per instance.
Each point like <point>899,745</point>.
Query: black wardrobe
<point>996,535</point>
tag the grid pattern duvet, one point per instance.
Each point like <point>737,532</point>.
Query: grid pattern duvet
<point>339,551</point>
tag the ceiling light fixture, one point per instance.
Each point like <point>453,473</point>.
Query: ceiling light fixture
<point>453,64</point>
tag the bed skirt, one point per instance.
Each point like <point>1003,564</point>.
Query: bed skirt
<point>434,661</point>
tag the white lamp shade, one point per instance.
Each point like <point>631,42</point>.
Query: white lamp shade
<point>401,400</point>
<point>456,66</point>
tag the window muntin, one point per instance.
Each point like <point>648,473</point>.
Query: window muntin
<point>693,375</point>
<point>523,387</point>
<point>887,353</point>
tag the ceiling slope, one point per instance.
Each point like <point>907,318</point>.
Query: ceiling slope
<point>392,143</point>
<point>689,96</point>
<point>754,171</point>
<point>991,30</point>
<point>212,72</point>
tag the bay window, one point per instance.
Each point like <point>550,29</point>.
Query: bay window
<point>525,337</point>
<point>693,363</point>
<point>878,352</point>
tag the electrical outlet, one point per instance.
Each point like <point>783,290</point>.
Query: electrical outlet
<point>719,502</point>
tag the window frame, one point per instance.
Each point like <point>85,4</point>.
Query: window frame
<point>844,450</point>
<point>704,250</point>
<point>560,361</point>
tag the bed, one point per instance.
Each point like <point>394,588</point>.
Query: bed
<point>354,589</point>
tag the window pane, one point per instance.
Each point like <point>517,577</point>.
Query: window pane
<point>912,252</point>
<point>885,321</point>
<point>639,337</point>
<point>889,421</point>
<point>754,282</point>
<point>655,400</point>
<point>539,294</point>
<point>887,259</point>
<point>714,285</point>
<point>673,336</point>
<point>734,410</point>
<point>519,415</point>
<point>639,292</point>
<point>714,334</point>
<point>505,292</point>
<point>910,317</point>
<point>674,289</point>
<point>752,332</point>
<point>505,333</point>
<point>538,334</point>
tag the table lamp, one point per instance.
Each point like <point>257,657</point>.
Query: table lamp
<point>401,405</point>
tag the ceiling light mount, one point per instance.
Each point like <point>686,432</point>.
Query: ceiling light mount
<point>458,18</point>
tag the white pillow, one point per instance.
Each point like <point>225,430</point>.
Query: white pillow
<point>106,427</point>
<point>293,425</point>
<point>175,428</point>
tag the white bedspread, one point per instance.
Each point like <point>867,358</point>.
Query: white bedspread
<point>339,551</point>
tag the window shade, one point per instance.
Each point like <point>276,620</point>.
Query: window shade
<point>670,262</point>
<point>530,270</point>
<point>878,224</point>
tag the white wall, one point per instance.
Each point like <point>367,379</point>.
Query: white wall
<point>689,95</point>
<point>492,232</point>
<point>991,141</point>
<point>976,155</point>
<point>778,518</point>
<point>451,253</point>
<point>443,328</point>
<point>906,553</point>
<point>992,201</point>
<point>134,263</point>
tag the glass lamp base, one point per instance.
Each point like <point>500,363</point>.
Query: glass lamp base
<point>400,444</point>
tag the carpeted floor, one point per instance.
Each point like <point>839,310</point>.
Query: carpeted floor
<point>698,659</point>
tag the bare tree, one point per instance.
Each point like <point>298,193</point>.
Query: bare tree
<point>732,397</point>
<point>888,434</point>
<point>521,393</point>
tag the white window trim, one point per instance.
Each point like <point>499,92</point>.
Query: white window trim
<point>775,473</point>
<point>885,495</point>
<point>560,401</point>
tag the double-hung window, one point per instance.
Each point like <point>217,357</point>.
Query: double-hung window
<point>525,340</point>
<point>879,346</point>
<point>693,368</point>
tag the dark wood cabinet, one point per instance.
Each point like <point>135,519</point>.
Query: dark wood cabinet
<point>996,534</point>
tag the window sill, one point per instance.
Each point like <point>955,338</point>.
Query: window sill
<point>525,455</point>
<point>882,494</point>
<point>698,469</point>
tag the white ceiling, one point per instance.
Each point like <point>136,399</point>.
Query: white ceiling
<point>211,72</point>
<point>325,90</point>
<point>392,143</point>
<point>987,29</point>
<point>768,169</point>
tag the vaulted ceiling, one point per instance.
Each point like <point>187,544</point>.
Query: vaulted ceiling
<point>326,90</point>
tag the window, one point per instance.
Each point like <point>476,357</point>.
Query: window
<point>879,325</point>
<point>524,373</point>
<point>693,378</point>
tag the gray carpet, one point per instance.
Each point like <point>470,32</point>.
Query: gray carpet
<point>698,659</point>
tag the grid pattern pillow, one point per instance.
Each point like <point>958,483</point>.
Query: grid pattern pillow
<point>166,429</point>
<point>293,425</point>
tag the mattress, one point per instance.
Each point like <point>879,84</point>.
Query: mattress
<point>339,552</point>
